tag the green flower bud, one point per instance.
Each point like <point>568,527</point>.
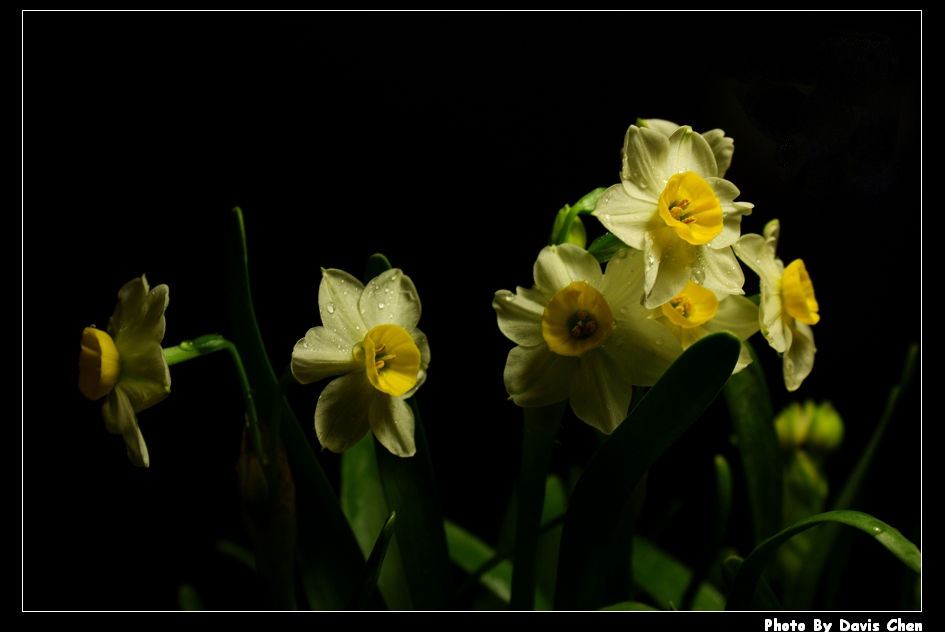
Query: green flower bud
<point>826,429</point>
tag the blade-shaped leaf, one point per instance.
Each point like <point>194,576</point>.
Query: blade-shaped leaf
<point>331,563</point>
<point>763,599</point>
<point>743,588</point>
<point>613,472</point>
<point>375,561</point>
<point>664,578</point>
<point>749,404</point>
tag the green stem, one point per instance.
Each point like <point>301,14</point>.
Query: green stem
<point>275,422</point>
<point>211,343</point>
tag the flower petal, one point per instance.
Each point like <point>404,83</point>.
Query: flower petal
<point>624,285</point>
<point>688,151</point>
<point>320,354</point>
<point>644,170</point>
<point>720,269</point>
<point>735,314</point>
<point>799,358</point>
<point>137,325</point>
<point>520,315</point>
<point>338,295</point>
<point>668,263</point>
<point>559,266</point>
<point>342,413</point>
<point>722,147</point>
<point>393,424</point>
<point>535,376</point>
<point>732,212</point>
<point>392,298</point>
<point>629,218</point>
<point>756,253</point>
<point>645,347</point>
<point>661,125</point>
<point>601,390</point>
<point>120,418</point>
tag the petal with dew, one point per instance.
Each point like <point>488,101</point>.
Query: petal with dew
<point>625,284</point>
<point>644,171</point>
<point>646,347</point>
<point>341,416</point>
<point>601,390</point>
<point>719,270</point>
<point>390,298</point>
<point>668,266</point>
<point>688,151</point>
<point>736,314</point>
<point>519,315</point>
<point>722,147</point>
<point>799,358</point>
<point>322,353</point>
<point>338,295</point>
<point>628,218</point>
<point>559,266</point>
<point>393,424</point>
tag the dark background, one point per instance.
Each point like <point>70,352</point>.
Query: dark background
<point>446,141</point>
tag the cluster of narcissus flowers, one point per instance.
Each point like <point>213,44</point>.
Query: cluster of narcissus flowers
<point>369,338</point>
<point>125,363</point>
<point>590,336</point>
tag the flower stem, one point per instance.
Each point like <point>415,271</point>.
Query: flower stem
<point>211,343</point>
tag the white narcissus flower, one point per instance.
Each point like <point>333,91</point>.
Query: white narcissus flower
<point>126,363</point>
<point>722,146</point>
<point>369,338</point>
<point>697,312</point>
<point>672,205</point>
<point>583,335</point>
<point>788,307</point>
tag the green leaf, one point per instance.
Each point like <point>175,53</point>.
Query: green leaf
<point>826,544</point>
<point>568,227</point>
<point>749,404</point>
<point>743,588</point>
<point>375,561</point>
<point>723,507</point>
<point>410,490</point>
<point>331,563</point>
<point>238,552</point>
<point>540,431</point>
<point>188,599</point>
<point>363,502</point>
<point>605,247</point>
<point>549,541</point>
<point>630,605</point>
<point>587,203</point>
<point>664,578</point>
<point>763,598</point>
<point>613,472</point>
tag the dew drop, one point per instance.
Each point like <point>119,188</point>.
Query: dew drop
<point>331,308</point>
<point>698,275</point>
<point>380,305</point>
<point>509,297</point>
<point>659,342</point>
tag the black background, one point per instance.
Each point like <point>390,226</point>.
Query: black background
<point>446,141</point>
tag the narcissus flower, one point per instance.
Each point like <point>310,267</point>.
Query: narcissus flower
<point>369,338</point>
<point>722,146</point>
<point>583,335</point>
<point>125,363</point>
<point>788,307</point>
<point>672,205</point>
<point>697,312</point>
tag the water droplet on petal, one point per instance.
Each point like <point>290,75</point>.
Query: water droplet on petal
<point>509,297</point>
<point>331,308</point>
<point>380,305</point>
<point>659,342</point>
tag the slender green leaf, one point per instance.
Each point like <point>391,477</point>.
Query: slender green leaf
<point>605,247</point>
<point>744,585</point>
<point>630,605</point>
<point>587,203</point>
<point>664,578</point>
<point>549,540</point>
<point>363,502</point>
<point>763,598</point>
<point>749,404</point>
<point>410,490</point>
<point>615,470</point>
<point>540,432</point>
<point>826,545</point>
<point>375,561</point>
<point>723,507</point>
<point>330,561</point>
<point>238,552</point>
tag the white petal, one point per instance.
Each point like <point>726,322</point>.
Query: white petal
<point>393,424</point>
<point>668,265</point>
<point>754,251</point>
<point>338,295</point>
<point>644,347</point>
<point>799,358</point>
<point>391,297</point>
<point>342,413</point>
<point>721,270</point>
<point>559,266</point>
<point>688,151</point>
<point>423,345</point>
<point>624,285</point>
<point>744,359</point>
<point>322,353</point>
<point>662,126</point>
<point>732,212</point>
<point>645,167</point>
<point>600,391</point>
<point>137,327</point>
<point>519,315</point>
<point>535,376</point>
<point>627,217</point>
<point>735,314</point>
<point>722,147</point>
<point>120,418</point>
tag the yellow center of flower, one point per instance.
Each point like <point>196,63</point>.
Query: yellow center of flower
<point>688,204</point>
<point>391,358</point>
<point>99,364</point>
<point>797,293</point>
<point>692,307</point>
<point>576,320</point>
